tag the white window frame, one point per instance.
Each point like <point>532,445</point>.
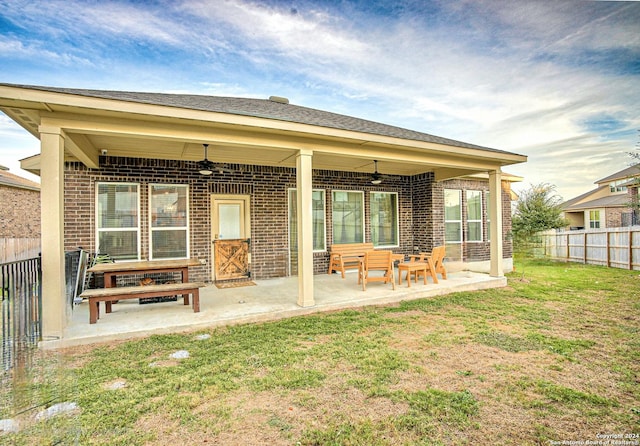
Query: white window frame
<point>362,207</point>
<point>477,221</point>
<point>396,214</point>
<point>487,199</point>
<point>153,229</point>
<point>459,222</point>
<point>617,186</point>
<point>136,228</point>
<point>598,221</point>
<point>324,215</point>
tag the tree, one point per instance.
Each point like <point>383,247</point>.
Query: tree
<point>537,210</point>
<point>634,183</point>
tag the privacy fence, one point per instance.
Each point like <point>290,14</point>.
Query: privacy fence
<point>613,247</point>
<point>14,249</point>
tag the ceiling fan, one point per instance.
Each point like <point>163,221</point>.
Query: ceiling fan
<point>207,167</point>
<point>376,177</point>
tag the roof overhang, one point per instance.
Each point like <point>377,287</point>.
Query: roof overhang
<point>93,125</point>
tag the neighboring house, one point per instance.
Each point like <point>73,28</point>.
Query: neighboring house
<point>277,185</point>
<point>607,206</point>
<point>19,205</point>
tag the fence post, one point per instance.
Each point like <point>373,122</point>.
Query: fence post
<point>630,249</point>
<point>584,250</point>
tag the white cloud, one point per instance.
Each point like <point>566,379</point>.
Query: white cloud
<point>509,77</point>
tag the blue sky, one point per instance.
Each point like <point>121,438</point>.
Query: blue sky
<point>558,81</point>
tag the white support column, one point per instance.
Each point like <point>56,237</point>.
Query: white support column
<point>54,303</point>
<point>304,195</point>
<point>495,191</point>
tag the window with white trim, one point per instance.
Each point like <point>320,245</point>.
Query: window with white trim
<point>488,201</point>
<point>618,186</point>
<point>594,219</point>
<point>318,220</point>
<point>118,220</point>
<point>474,215</point>
<point>453,216</point>
<point>169,221</point>
<point>384,219</point>
<point>347,210</point>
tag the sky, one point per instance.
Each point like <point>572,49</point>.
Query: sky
<point>557,81</point>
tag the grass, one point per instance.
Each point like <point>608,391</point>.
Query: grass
<point>552,358</point>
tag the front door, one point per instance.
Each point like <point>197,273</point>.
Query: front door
<point>230,233</point>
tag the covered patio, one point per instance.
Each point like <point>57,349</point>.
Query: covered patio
<point>299,180</point>
<point>259,303</point>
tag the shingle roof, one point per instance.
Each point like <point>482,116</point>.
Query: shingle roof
<point>9,179</point>
<point>567,204</point>
<point>603,202</point>
<point>263,108</point>
<point>632,171</point>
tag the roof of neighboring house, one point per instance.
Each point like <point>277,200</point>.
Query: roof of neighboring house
<point>569,203</point>
<point>11,180</point>
<point>262,108</point>
<point>629,172</point>
<point>619,200</point>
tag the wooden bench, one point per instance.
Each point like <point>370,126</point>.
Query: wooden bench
<point>109,295</point>
<point>347,256</point>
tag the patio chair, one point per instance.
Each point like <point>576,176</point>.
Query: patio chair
<point>437,260</point>
<point>378,262</point>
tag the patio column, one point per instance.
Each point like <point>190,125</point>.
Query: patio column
<point>495,225</point>
<point>54,305</point>
<point>304,195</point>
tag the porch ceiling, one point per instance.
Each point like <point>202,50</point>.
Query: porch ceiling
<point>330,157</point>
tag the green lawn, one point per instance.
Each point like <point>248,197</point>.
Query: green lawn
<point>554,357</point>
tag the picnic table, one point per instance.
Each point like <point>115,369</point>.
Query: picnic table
<point>110,293</point>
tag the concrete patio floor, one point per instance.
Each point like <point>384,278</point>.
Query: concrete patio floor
<point>268,300</point>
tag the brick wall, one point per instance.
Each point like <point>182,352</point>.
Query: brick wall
<point>613,217</point>
<point>420,203</point>
<point>20,216</point>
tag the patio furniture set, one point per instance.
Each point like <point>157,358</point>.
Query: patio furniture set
<point>372,264</point>
<point>366,259</point>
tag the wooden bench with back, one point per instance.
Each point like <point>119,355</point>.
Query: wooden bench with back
<point>347,256</point>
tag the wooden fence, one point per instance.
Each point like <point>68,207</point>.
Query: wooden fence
<point>14,249</point>
<point>613,247</point>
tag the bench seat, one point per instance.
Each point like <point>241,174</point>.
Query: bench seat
<point>109,295</point>
<point>347,256</point>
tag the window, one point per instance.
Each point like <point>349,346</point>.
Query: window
<point>594,219</point>
<point>318,215</point>
<point>474,215</point>
<point>453,216</point>
<point>384,218</point>
<point>487,197</point>
<point>118,220</point>
<point>617,186</point>
<point>169,215</point>
<point>348,217</point>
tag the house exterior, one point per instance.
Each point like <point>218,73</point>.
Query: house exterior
<point>19,205</point>
<point>607,206</point>
<point>257,187</point>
